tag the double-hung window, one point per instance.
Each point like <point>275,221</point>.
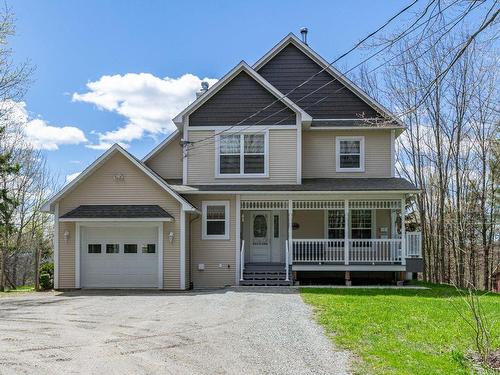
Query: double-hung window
<point>215,216</point>
<point>361,224</point>
<point>242,155</point>
<point>336,224</point>
<point>350,154</point>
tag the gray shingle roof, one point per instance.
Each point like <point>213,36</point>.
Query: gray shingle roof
<point>117,212</point>
<point>309,184</point>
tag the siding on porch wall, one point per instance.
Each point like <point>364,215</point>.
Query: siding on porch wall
<point>212,253</point>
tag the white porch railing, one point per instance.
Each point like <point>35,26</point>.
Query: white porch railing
<point>360,250</point>
<point>318,250</point>
<point>374,251</point>
<point>414,244</point>
<point>242,259</point>
<point>287,261</point>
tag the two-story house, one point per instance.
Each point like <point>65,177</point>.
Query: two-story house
<point>281,170</point>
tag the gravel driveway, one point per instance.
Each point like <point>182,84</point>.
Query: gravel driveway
<point>231,331</point>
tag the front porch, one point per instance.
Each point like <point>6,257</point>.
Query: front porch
<point>347,235</point>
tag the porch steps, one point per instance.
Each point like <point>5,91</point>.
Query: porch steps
<point>265,276</point>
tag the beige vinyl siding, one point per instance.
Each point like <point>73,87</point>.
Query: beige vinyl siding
<point>168,162</point>
<point>383,219</point>
<point>282,159</point>
<point>212,253</point>
<point>66,256</point>
<point>318,153</point>
<point>136,188</point>
<point>311,224</point>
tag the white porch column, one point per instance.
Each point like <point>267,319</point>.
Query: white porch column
<point>56,246</point>
<point>239,261</point>
<point>290,226</point>
<point>346,231</point>
<point>403,231</point>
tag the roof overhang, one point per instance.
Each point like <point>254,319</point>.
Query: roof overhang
<point>123,220</point>
<point>292,39</point>
<point>49,205</point>
<point>241,67</point>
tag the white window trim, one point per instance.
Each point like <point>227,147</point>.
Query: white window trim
<point>242,146</point>
<point>204,234</point>
<point>361,140</point>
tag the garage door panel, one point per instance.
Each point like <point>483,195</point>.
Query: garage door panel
<point>120,270</point>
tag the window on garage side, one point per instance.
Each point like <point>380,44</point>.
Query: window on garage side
<point>94,248</point>
<point>112,248</point>
<point>130,248</point>
<point>149,248</point>
<point>215,220</point>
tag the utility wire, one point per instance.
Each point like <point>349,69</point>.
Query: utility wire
<point>409,30</point>
<point>328,66</point>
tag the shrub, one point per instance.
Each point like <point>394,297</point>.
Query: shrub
<point>47,268</point>
<point>45,281</point>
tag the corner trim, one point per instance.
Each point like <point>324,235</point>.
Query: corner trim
<point>56,246</point>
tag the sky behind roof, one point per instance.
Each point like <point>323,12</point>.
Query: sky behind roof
<point>117,71</point>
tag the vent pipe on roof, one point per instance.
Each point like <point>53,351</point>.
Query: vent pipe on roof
<point>303,32</point>
<point>204,89</point>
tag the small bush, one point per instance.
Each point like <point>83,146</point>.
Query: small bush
<point>47,268</point>
<point>45,281</point>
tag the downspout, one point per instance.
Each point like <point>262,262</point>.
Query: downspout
<point>190,250</point>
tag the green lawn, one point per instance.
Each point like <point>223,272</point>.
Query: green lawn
<point>19,289</point>
<point>401,331</point>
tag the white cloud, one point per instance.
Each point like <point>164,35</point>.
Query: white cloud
<point>72,176</point>
<point>37,132</point>
<point>147,102</point>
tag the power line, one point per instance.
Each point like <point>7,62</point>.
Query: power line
<point>409,30</point>
<point>325,68</point>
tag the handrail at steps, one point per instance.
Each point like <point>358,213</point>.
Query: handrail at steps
<point>242,259</point>
<point>287,261</point>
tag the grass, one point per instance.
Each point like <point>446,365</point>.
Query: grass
<point>402,331</point>
<point>19,289</point>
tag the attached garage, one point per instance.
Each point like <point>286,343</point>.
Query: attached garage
<point>119,257</point>
<point>118,246</point>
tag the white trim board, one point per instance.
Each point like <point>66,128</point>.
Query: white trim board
<point>47,206</point>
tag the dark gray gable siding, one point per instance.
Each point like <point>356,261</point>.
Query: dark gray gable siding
<point>291,67</point>
<point>240,98</point>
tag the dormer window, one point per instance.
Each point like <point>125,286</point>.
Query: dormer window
<point>242,155</point>
<point>350,154</point>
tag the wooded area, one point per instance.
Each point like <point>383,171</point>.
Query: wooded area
<point>451,149</point>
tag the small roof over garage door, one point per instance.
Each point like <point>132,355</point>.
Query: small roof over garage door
<point>117,212</point>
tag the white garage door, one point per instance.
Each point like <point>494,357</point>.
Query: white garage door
<point>124,257</point>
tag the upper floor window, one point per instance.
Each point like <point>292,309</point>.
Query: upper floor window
<point>215,221</point>
<point>242,155</point>
<point>350,154</point>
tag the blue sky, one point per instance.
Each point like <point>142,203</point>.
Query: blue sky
<point>127,49</point>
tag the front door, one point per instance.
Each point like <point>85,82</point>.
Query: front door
<point>260,244</point>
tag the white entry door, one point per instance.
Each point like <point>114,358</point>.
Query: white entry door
<point>260,244</point>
